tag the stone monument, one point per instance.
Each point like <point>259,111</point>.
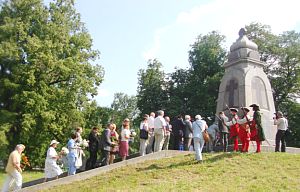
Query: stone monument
<point>245,83</point>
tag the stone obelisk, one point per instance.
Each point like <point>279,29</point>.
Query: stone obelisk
<point>245,83</point>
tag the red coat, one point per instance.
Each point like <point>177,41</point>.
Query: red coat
<point>234,129</point>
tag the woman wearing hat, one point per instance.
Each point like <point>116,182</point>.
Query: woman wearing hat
<point>52,170</point>
<point>234,128</point>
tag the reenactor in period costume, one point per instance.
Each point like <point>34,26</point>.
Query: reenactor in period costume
<point>257,132</point>
<point>234,128</point>
<point>244,133</point>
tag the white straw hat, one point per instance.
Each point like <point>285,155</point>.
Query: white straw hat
<point>54,142</point>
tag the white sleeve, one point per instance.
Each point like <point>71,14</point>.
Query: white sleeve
<point>141,126</point>
<point>52,153</point>
<point>242,121</point>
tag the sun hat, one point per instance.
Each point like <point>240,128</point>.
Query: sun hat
<point>54,142</point>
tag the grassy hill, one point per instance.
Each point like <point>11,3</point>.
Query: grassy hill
<point>219,172</point>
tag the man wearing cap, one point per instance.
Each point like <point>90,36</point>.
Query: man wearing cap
<point>198,127</point>
<point>244,133</point>
<point>13,169</point>
<point>234,129</point>
<point>257,132</point>
<point>282,126</point>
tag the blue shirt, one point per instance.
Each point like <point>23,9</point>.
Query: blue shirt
<point>71,146</point>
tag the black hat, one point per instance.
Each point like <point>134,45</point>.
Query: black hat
<point>234,109</point>
<point>254,105</point>
<point>245,109</point>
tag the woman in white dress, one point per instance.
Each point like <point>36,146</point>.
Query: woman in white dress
<point>52,170</point>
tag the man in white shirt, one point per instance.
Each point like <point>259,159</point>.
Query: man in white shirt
<point>159,130</point>
<point>282,125</point>
<point>151,133</point>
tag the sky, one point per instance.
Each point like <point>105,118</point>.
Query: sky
<point>130,32</point>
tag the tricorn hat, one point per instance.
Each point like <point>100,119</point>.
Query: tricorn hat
<point>254,105</point>
<point>245,109</point>
<point>234,110</point>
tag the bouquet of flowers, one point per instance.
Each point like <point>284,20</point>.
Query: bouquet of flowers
<point>24,161</point>
<point>85,143</point>
<point>64,151</point>
<point>132,133</point>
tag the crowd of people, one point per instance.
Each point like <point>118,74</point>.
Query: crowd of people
<point>156,132</point>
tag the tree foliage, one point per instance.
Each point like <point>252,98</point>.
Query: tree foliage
<point>46,74</point>
<point>124,106</point>
<point>151,94</point>
<point>206,59</point>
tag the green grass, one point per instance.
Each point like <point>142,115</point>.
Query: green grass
<point>27,176</point>
<point>219,172</point>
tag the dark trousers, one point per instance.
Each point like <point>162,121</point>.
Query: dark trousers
<point>177,140</point>
<point>224,140</point>
<point>280,136</point>
<point>93,159</point>
<point>187,143</point>
<point>105,157</point>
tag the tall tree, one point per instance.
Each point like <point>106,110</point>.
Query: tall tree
<point>151,94</point>
<point>206,58</point>
<point>124,106</point>
<point>46,74</point>
<point>177,87</point>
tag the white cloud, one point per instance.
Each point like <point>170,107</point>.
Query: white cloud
<point>152,52</point>
<point>172,42</point>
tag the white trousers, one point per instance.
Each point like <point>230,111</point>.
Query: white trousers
<point>143,145</point>
<point>159,139</point>
<point>198,145</point>
<point>13,182</point>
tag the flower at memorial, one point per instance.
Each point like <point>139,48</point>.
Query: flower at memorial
<point>24,161</point>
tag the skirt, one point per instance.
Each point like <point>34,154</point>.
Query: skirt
<point>52,169</point>
<point>124,148</point>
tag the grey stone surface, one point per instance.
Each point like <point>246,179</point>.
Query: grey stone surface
<point>245,83</point>
<point>101,170</point>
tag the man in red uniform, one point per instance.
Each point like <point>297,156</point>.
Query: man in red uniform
<point>244,133</point>
<point>257,132</point>
<point>234,128</point>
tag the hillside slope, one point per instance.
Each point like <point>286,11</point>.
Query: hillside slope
<point>219,172</point>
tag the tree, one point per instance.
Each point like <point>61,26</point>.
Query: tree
<point>124,106</point>
<point>151,94</point>
<point>46,72</point>
<point>206,59</point>
<point>177,87</point>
